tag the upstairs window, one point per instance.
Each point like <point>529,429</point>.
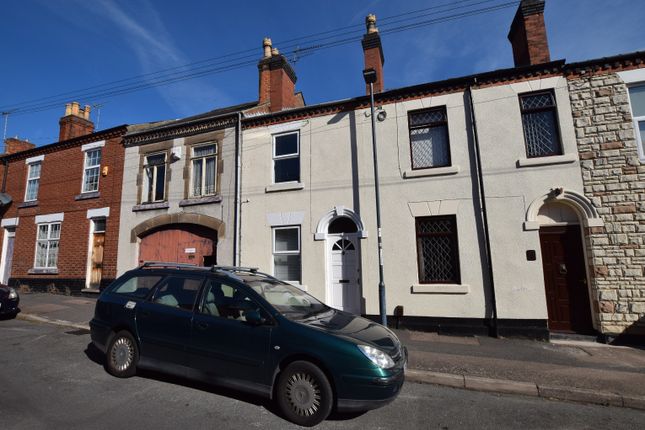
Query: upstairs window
<point>437,250</point>
<point>203,170</point>
<point>539,119</point>
<point>91,170</point>
<point>286,157</point>
<point>286,253</point>
<point>637,99</point>
<point>155,178</point>
<point>47,246</point>
<point>429,145</point>
<point>33,181</point>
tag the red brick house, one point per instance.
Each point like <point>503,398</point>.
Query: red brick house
<point>58,205</point>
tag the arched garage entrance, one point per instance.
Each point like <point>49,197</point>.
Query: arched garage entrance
<point>179,238</point>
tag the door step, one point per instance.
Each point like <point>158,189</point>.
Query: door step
<point>576,337</point>
<point>90,292</point>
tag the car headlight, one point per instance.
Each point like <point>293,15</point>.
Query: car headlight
<point>377,356</point>
<point>13,294</point>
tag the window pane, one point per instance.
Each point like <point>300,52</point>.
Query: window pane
<point>427,117</point>
<point>34,170</point>
<point>202,151</point>
<point>161,182</point>
<point>139,286</point>
<point>42,231</point>
<point>286,144</point>
<point>429,147</point>
<point>197,177</point>
<point>541,134</point>
<point>438,257</point>
<point>32,189</point>
<point>52,256</point>
<point>537,101</point>
<point>178,292</point>
<point>209,180</point>
<point>99,225</point>
<point>637,97</point>
<point>287,170</point>
<point>641,127</point>
<point>287,267</point>
<point>91,179</point>
<point>286,239</point>
<point>150,171</point>
<point>54,231</point>
<point>93,158</point>
<point>41,253</point>
<point>155,160</point>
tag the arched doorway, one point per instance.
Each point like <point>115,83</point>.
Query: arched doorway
<point>180,243</point>
<point>344,272</point>
<point>559,217</point>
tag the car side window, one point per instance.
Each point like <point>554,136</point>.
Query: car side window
<point>138,286</point>
<point>228,301</point>
<point>178,292</point>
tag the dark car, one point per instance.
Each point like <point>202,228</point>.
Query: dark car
<point>247,330</point>
<point>9,300</point>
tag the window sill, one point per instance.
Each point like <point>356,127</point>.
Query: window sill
<point>150,206</point>
<point>440,289</point>
<point>42,271</point>
<point>86,196</point>
<point>200,200</point>
<point>287,186</point>
<point>27,204</point>
<point>431,171</point>
<point>546,161</point>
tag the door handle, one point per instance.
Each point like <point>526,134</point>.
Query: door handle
<point>201,325</point>
<point>343,281</point>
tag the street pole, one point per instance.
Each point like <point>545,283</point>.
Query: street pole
<point>370,78</point>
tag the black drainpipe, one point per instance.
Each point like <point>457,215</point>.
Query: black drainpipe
<point>484,214</point>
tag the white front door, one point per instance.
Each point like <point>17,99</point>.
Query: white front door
<point>345,291</point>
<point>7,256</point>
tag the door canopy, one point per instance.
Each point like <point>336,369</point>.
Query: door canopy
<point>581,204</point>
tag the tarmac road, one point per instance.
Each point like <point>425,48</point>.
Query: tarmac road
<point>50,379</point>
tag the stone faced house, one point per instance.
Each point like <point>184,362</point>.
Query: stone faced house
<point>60,208</point>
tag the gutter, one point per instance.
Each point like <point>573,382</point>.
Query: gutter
<point>483,213</point>
<point>237,219</point>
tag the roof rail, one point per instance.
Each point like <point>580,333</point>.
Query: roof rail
<point>147,264</point>
<point>234,268</point>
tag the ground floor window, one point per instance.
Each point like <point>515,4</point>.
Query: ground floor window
<point>286,253</point>
<point>47,245</point>
<point>437,250</point>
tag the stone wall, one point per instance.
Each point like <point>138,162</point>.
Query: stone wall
<point>614,180</point>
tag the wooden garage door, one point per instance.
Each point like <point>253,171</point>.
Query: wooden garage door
<point>180,243</point>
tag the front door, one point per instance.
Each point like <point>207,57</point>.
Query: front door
<point>8,257</point>
<point>345,291</point>
<point>96,269</point>
<point>565,280</point>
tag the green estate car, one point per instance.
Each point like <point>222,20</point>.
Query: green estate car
<point>244,329</point>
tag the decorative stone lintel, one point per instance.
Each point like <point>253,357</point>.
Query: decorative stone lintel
<point>440,289</point>
<point>200,200</point>
<point>150,206</point>
<point>86,196</point>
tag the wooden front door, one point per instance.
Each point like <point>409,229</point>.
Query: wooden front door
<point>565,279</point>
<point>180,244</point>
<point>96,271</point>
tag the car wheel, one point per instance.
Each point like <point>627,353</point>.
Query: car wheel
<point>122,355</point>
<point>304,394</point>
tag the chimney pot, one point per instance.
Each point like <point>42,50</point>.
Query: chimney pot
<point>370,23</point>
<point>86,112</point>
<point>68,109</point>
<point>266,44</point>
<point>275,52</point>
<point>75,106</point>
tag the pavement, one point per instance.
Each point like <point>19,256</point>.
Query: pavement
<point>574,371</point>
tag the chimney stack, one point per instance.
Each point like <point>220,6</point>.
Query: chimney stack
<point>13,145</point>
<point>277,80</point>
<point>528,34</point>
<point>76,122</point>
<point>373,52</point>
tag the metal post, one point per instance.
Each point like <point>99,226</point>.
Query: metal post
<point>381,284</point>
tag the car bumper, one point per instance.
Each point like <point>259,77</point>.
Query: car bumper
<point>99,333</point>
<point>9,306</point>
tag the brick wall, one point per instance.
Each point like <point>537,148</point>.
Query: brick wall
<point>614,180</point>
<point>60,184</point>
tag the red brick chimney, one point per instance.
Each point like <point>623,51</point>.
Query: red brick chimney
<point>277,80</point>
<point>76,122</point>
<point>528,34</point>
<point>13,145</point>
<point>373,53</point>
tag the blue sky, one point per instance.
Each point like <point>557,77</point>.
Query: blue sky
<point>59,47</point>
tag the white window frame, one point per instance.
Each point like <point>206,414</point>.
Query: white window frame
<point>144,191</point>
<point>94,166</point>
<point>285,157</point>
<point>636,120</point>
<point>37,179</point>
<point>290,252</point>
<point>203,167</point>
<point>49,240</point>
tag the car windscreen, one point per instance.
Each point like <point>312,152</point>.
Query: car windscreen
<point>290,301</point>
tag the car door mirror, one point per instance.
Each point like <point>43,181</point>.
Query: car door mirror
<point>253,317</point>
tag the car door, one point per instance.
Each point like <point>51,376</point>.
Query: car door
<point>223,344</point>
<point>164,321</point>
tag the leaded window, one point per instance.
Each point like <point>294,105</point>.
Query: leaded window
<point>286,157</point>
<point>33,181</point>
<point>47,240</point>
<point>155,178</point>
<point>637,100</point>
<point>437,250</point>
<point>539,119</point>
<point>91,170</point>
<point>286,253</point>
<point>429,144</point>
<point>204,170</point>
